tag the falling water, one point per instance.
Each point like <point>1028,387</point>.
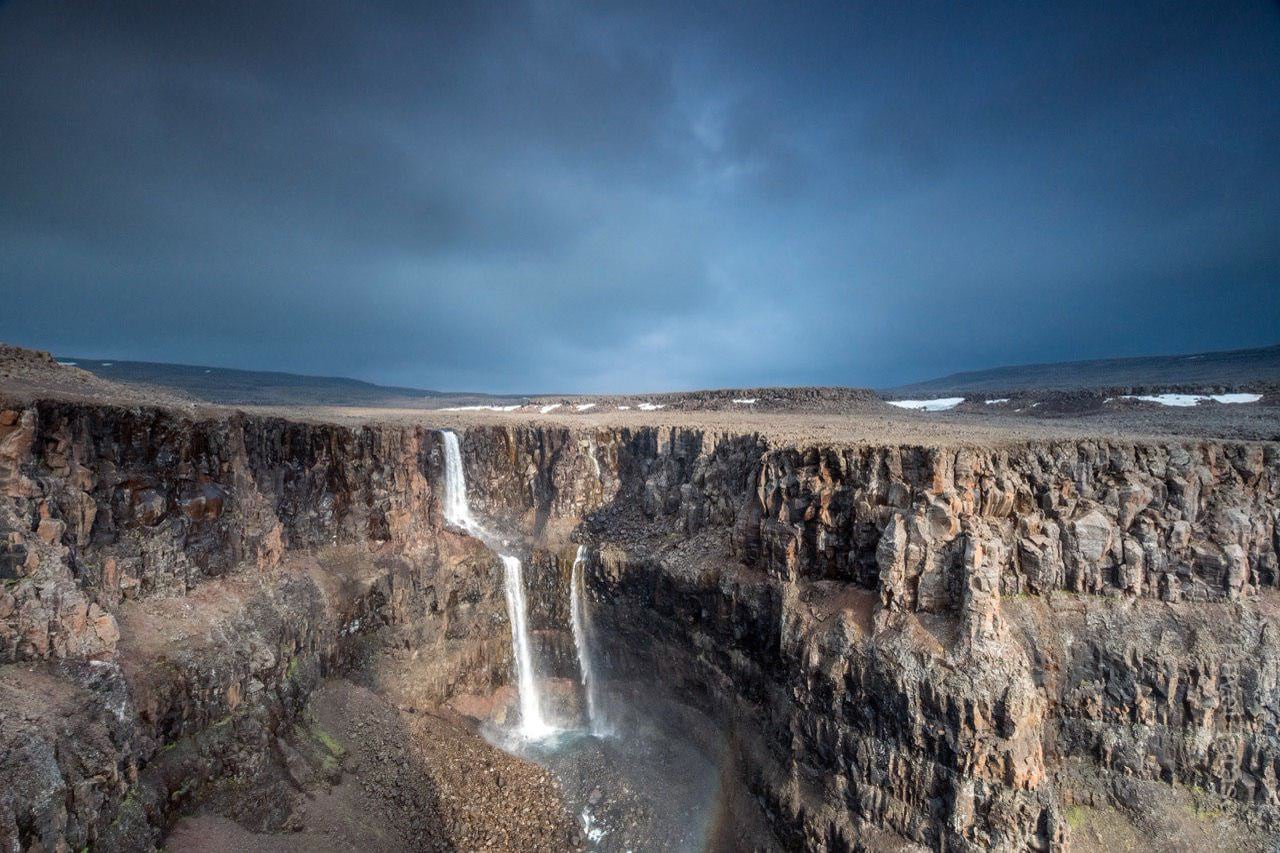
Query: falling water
<point>532,725</point>
<point>578,616</point>
<point>458,511</point>
<point>595,461</point>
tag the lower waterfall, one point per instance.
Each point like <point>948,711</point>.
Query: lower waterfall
<point>532,723</point>
<point>577,613</point>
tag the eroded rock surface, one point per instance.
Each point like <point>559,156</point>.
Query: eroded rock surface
<point>959,648</point>
<point>847,612</point>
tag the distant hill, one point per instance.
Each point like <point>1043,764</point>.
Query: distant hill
<point>1225,370</point>
<point>255,387</point>
<point>1221,371</point>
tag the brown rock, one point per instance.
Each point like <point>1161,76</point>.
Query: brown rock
<point>50,530</point>
<point>17,439</point>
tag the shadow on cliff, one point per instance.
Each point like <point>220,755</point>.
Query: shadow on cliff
<point>651,689</point>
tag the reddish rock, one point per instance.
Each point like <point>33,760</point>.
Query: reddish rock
<point>51,530</point>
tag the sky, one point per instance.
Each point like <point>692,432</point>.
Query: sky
<point>549,196</point>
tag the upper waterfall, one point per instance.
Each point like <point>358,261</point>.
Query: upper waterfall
<point>456,509</point>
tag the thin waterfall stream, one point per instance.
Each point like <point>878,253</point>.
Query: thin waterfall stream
<point>578,617</point>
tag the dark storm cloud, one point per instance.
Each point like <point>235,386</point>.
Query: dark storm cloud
<point>545,196</point>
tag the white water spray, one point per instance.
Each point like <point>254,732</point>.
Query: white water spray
<point>577,613</point>
<point>458,511</point>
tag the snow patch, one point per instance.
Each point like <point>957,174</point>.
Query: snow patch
<point>1193,399</point>
<point>1167,399</point>
<point>996,401</point>
<point>582,407</point>
<point>651,407</point>
<point>623,408</point>
<point>746,401</point>
<point>941,404</point>
<point>67,363</point>
<point>546,410</point>
<point>482,408</point>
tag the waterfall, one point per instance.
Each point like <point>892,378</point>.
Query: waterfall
<point>532,725</point>
<point>592,450</point>
<point>458,511</point>
<point>577,613</point>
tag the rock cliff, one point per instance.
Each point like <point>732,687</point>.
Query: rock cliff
<point>178,587</point>
<point>961,648</point>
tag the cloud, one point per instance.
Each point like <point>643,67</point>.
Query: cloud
<point>548,196</point>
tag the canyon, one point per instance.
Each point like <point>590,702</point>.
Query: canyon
<point>620,428</point>
<point>259,624</point>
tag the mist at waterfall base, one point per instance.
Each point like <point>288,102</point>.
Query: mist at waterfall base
<point>634,774</point>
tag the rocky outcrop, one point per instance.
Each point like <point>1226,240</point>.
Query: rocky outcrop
<point>1167,521</point>
<point>104,505</point>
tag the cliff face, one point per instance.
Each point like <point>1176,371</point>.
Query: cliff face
<point>949,647</point>
<point>173,590</point>
<point>107,505</point>
<point>959,646</point>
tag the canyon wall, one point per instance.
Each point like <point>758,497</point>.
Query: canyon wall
<point>174,589</point>
<point>955,645</point>
<point>948,647</point>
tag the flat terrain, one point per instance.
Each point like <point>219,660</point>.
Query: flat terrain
<point>790,416</point>
<point>1257,423</point>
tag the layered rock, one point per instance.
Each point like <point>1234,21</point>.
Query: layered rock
<point>845,611</point>
<point>903,645</point>
<point>180,586</point>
